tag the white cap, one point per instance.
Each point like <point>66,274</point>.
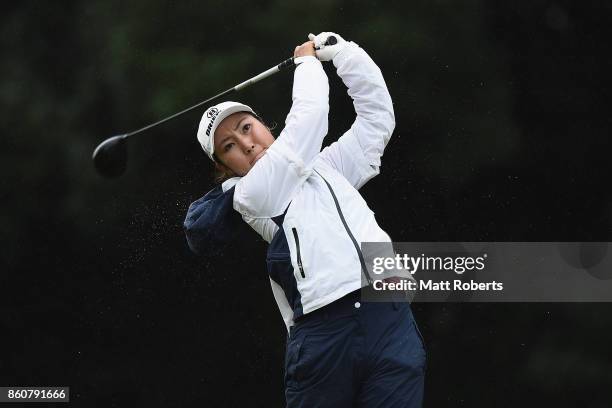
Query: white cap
<point>211,119</point>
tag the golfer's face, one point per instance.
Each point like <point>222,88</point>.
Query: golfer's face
<point>240,141</point>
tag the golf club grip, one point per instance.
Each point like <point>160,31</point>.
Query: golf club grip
<point>287,63</point>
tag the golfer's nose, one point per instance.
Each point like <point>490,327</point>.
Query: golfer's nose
<point>247,145</point>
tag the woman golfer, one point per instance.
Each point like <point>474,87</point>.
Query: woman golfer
<point>341,352</point>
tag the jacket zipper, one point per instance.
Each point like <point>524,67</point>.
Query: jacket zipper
<point>348,231</point>
<point>297,246</point>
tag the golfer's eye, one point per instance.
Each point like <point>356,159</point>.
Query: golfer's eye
<point>246,127</point>
<point>227,147</point>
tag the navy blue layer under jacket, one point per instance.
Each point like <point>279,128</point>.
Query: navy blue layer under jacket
<point>212,223</point>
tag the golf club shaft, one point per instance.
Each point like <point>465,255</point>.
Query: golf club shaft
<point>285,64</point>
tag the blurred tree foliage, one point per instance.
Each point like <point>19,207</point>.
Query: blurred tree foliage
<point>502,134</point>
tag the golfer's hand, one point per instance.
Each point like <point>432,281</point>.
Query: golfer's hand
<point>305,49</point>
<point>327,45</point>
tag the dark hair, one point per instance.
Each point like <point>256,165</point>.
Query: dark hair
<point>222,174</point>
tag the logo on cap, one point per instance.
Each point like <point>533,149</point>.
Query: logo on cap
<point>212,112</point>
<point>212,115</point>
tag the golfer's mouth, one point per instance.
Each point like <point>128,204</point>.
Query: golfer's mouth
<point>259,156</point>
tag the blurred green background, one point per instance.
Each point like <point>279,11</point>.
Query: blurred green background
<point>502,134</point>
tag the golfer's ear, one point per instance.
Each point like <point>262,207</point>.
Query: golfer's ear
<point>223,171</point>
<point>220,167</point>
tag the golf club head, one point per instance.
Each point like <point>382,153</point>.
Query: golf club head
<point>110,157</point>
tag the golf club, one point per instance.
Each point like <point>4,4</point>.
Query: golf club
<point>110,157</point>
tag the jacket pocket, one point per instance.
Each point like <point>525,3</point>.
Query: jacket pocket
<point>296,238</point>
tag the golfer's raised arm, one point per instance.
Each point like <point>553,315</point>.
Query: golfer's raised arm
<point>358,152</point>
<point>269,186</point>
<point>306,124</point>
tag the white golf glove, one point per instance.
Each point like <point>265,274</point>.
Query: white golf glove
<point>327,45</point>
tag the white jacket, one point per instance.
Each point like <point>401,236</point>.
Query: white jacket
<point>315,257</point>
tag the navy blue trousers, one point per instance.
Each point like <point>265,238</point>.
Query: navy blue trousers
<point>355,354</point>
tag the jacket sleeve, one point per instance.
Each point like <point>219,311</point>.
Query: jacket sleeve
<point>269,186</point>
<point>356,154</point>
<point>211,223</point>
